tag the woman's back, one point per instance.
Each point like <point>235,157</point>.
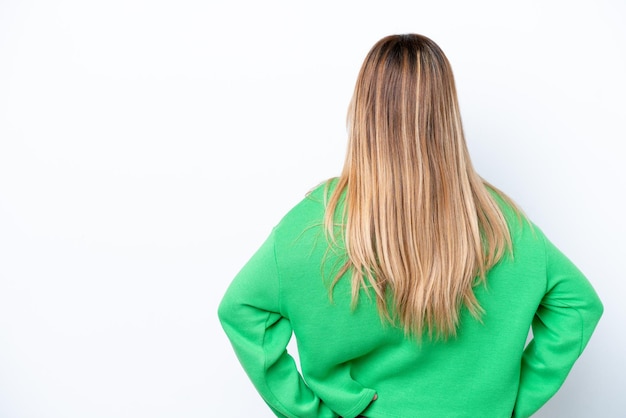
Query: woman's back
<point>349,355</point>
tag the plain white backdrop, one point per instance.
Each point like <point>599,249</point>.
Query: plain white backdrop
<point>148,147</point>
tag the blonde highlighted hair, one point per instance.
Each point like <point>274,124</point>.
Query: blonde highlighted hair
<point>419,225</point>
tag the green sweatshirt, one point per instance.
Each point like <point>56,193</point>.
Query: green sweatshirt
<point>347,356</point>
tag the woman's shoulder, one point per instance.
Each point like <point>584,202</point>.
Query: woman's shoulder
<point>310,209</point>
<point>322,190</point>
<point>521,227</point>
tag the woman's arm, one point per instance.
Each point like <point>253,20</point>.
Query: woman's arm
<point>562,326</point>
<point>251,316</point>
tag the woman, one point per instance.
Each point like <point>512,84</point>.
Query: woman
<point>409,282</point>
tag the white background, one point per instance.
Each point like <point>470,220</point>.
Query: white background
<point>148,147</point>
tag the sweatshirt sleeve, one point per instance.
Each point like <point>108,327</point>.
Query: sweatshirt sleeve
<point>250,315</point>
<point>562,326</point>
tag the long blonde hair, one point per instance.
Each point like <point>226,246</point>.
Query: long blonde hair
<point>419,225</point>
